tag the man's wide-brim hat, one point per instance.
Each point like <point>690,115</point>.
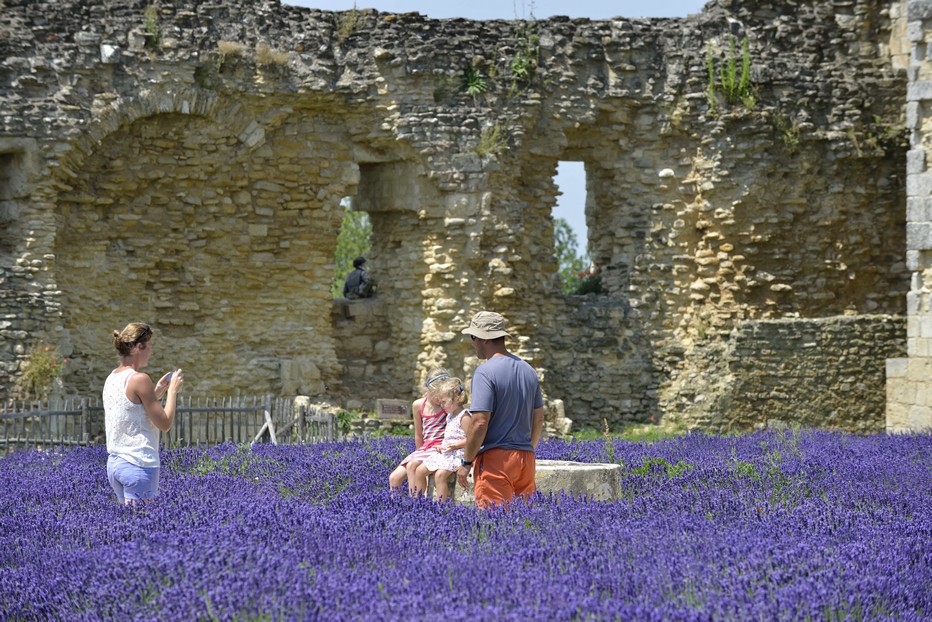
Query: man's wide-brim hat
<point>486,325</point>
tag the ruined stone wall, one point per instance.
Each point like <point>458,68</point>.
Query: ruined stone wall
<point>186,165</point>
<point>822,373</point>
<point>909,377</point>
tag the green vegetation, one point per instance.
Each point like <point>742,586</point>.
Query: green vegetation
<point>788,131</point>
<point>735,88</point>
<point>267,56</point>
<point>572,267</point>
<point>352,241</point>
<point>347,23</point>
<point>492,140</point>
<point>236,464</point>
<point>661,468</point>
<point>153,39</point>
<point>526,58</point>
<point>42,367</point>
<point>474,83</point>
<point>345,419</point>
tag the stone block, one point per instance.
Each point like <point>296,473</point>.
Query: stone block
<point>920,418</point>
<point>919,235</point>
<point>897,368</point>
<point>919,91</point>
<point>919,370</point>
<point>598,481</point>
<point>897,416</point>
<point>915,162</point>
<point>913,118</point>
<point>922,347</point>
<point>919,185</point>
<point>894,392</point>
<point>918,11</point>
<point>601,482</point>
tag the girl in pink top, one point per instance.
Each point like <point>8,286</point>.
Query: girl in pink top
<point>446,458</point>
<point>430,422</point>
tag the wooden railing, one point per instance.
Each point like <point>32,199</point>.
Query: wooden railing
<point>200,421</point>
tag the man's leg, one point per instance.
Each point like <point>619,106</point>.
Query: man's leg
<point>493,485</point>
<point>524,465</point>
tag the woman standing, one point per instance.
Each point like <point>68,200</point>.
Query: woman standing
<point>133,415</point>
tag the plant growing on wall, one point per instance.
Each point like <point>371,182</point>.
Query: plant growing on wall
<point>474,83</point>
<point>153,39</point>
<point>526,58</point>
<point>266,55</point>
<point>735,87</point>
<point>347,23</point>
<point>42,367</point>
<point>492,140</point>
<point>788,131</point>
<point>352,241</point>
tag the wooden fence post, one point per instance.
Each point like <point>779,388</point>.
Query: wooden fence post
<point>85,424</point>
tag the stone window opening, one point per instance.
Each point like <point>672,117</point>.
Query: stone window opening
<point>577,275</point>
<point>353,240</point>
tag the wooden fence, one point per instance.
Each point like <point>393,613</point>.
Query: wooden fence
<point>201,421</point>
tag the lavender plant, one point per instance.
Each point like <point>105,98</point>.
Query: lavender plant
<point>312,533</point>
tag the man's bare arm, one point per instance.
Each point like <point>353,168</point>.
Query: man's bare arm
<point>537,427</point>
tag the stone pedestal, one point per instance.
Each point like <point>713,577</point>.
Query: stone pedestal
<point>599,481</point>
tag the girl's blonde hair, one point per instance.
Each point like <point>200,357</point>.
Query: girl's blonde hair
<point>435,374</point>
<point>448,388</point>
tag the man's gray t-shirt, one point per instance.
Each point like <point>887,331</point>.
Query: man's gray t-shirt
<point>507,387</point>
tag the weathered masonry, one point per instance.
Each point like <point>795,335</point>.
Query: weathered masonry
<point>909,379</point>
<point>186,163</point>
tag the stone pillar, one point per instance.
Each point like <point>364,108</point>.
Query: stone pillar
<point>909,380</point>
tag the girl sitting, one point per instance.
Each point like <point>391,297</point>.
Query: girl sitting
<point>445,459</point>
<point>430,421</point>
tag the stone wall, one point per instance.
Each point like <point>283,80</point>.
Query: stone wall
<point>909,378</point>
<point>187,165</point>
<point>822,373</point>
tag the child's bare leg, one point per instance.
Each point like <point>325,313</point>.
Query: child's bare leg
<point>420,479</point>
<point>412,474</point>
<point>442,483</point>
<point>397,479</point>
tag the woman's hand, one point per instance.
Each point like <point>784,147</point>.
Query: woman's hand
<point>161,387</point>
<point>176,381</point>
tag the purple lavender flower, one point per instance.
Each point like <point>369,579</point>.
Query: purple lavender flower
<point>775,526</point>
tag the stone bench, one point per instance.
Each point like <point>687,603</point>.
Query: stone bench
<point>599,481</point>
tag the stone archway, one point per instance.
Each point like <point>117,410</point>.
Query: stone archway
<point>215,232</point>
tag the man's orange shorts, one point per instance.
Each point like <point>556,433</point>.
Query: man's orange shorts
<point>503,474</point>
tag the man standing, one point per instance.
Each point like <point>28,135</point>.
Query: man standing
<point>507,418</point>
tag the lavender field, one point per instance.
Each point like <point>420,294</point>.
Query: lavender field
<point>768,526</point>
